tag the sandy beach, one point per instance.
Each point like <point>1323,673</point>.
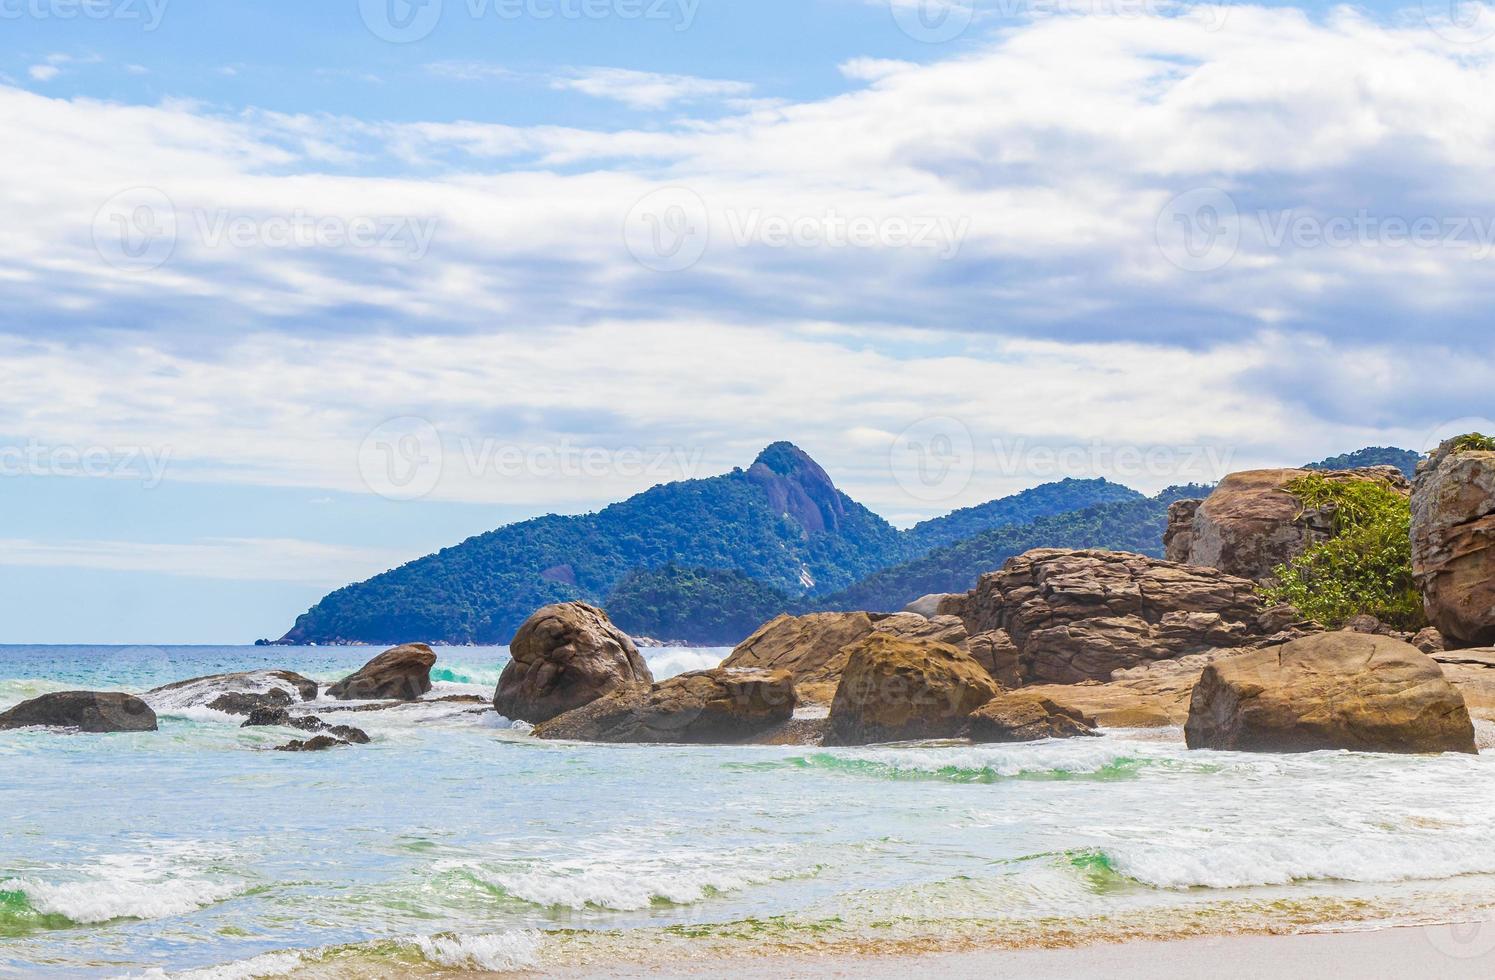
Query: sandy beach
<point>1443,951</point>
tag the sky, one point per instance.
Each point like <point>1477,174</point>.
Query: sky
<point>291,293</point>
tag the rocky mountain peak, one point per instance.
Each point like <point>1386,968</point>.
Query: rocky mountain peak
<point>797,485</point>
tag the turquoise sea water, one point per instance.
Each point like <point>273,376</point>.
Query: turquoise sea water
<point>455,841</point>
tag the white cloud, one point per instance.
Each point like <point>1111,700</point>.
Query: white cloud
<point>228,559</point>
<point>44,73</point>
<point>649,90</point>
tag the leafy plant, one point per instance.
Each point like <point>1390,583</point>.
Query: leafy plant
<point>1365,568</point>
<point>1474,442</point>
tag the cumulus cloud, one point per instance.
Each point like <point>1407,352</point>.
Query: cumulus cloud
<point>1132,224</point>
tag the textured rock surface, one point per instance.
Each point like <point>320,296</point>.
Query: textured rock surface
<point>1153,695</point>
<point>1251,523</point>
<point>1022,716</point>
<point>995,651</point>
<point>565,656</point>
<point>86,711</point>
<point>319,744</point>
<point>895,689</point>
<point>401,673</point>
<point>1453,544</point>
<point>1473,673</point>
<point>1082,615</point>
<point>1340,690</point>
<point>807,647</point>
<point>236,694</point>
<point>720,706</point>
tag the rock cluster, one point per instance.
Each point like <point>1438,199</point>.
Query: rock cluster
<point>1342,690</point>
<point>1251,523</point>
<point>1453,543</point>
<point>1022,716</point>
<point>1064,617</point>
<point>234,694</point>
<point>85,711</point>
<point>563,657</point>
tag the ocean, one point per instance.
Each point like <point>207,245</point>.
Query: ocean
<point>455,842</point>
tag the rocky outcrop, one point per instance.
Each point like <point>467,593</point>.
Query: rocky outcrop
<point>1340,690</point>
<point>715,707</point>
<point>235,694</point>
<point>927,606</point>
<point>895,689</point>
<point>85,711</point>
<point>1022,716</point>
<point>1251,523</point>
<point>281,718</point>
<point>995,651</point>
<point>1082,615</point>
<point>401,673</point>
<point>1473,673</point>
<point>796,485</point>
<point>566,656</point>
<point>319,744</point>
<point>1453,543</point>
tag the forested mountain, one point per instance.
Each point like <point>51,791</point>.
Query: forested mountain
<point>779,528</point>
<point>1403,459</point>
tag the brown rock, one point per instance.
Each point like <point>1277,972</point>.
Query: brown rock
<point>1429,641</point>
<point>927,606</point>
<point>566,656</point>
<point>1152,695</point>
<point>1022,716</point>
<point>995,651</point>
<point>1251,523</point>
<point>1082,615</point>
<point>402,673</point>
<point>895,690</point>
<point>807,647</point>
<point>1332,691</point>
<point>1473,673</point>
<point>1178,539</point>
<point>86,711</point>
<point>320,743</point>
<point>1453,543</point>
<point>715,707</point>
<point>910,626</point>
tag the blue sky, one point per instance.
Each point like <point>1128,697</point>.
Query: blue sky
<point>293,294</point>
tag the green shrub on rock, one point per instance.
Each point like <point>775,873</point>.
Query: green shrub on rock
<point>1365,568</point>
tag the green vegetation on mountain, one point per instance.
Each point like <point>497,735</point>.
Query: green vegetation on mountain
<point>1136,525</point>
<point>1474,442</point>
<point>1403,459</point>
<point>712,606</point>
<point>1365,568</point>
<point>1020,508</point>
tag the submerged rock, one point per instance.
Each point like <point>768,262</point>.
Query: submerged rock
<point>86,711</point>
<point>401,673</point>
<point>1453,543</point>
<point>319,744</point>
<point>895,690</point>
<point>235,694</point>
<point>1022,716</point>
<point>1251,523</point>
<point>566,656</point>
<point>1341,690</point>
<point>720,706</point>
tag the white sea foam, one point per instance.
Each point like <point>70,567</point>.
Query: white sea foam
<point>1281,860</point>
<point>499,952</point>
<point>178,700</point>
<point>127,886</point>
<point>632,882</point>
<point>667,662</point>
<point>264,965</point>
<point>13,692</point>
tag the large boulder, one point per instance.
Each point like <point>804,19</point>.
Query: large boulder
<point>565,656</point>
<point>1022,716</point>
<point>86,711</point>
<point>1252,523</point>
<point>895,689</point>
<point>1078,616</point>
<point>715,707</point>
<point>235,694</point>
<point>1453,543</point>
<point>808,647</point>
<point>1150,695</point>
<point>401,673</point>
<point>1341,690</point>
